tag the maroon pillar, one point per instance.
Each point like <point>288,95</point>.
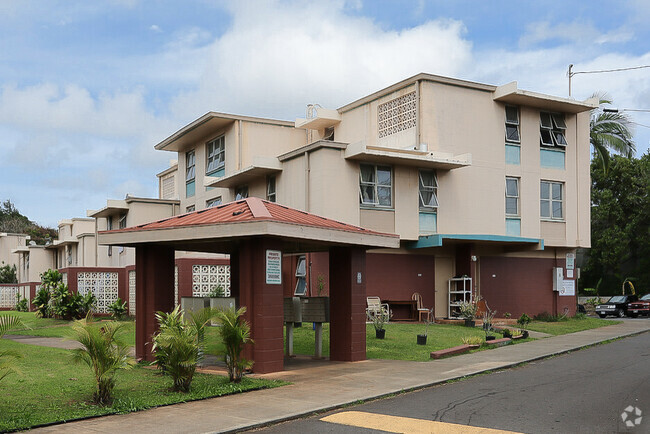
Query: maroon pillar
<point>154,291</point>
<point>347,304</point>
<point>263,301</point>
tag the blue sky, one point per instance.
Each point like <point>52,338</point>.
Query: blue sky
<point>88,88</point>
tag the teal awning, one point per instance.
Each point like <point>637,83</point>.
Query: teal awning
<point>436,240</point>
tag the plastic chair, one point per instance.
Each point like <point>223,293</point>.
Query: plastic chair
<point>375,306</point>
<point>421,310</point>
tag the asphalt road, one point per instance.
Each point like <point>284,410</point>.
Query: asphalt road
<point>584,391</point>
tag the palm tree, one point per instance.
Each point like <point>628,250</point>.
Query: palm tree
<point>103,352</point>
<point>235,334</point>
<point>610,130</point>
<point>7,322</point>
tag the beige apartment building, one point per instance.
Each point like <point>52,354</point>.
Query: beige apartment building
<point>486,186</point>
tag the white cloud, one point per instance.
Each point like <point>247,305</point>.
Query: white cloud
<point>155,28</point>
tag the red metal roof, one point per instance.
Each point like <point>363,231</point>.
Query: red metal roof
<point>248,210</point>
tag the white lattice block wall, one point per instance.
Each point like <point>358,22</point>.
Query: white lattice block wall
<point>175,285</point>
<point>206,277</point>
<point>396,115</point>
<point>104,286</point>
<point>132,292</point>
<point>8,296</point>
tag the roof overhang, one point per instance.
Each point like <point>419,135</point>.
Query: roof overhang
<point>322,118</point>
<point>225,237</point>
<point>261,167</point>
<point>406,157</point>
<point>21,249</point>
<point>64,242</point>
<point>209,123</point>
<point>510,94</point>
<point>437,240</point>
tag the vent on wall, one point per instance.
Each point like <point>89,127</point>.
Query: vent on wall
<point>396,115</point>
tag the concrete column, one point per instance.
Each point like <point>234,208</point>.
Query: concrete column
<point>264,304</point>
<point>154,289</point>
<point>347,267</point>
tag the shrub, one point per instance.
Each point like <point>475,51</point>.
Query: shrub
<point>71,306</point>
<point>42,303</point>
<point>235,333</point>
<point>117,309</point>
<point>507,333</point>
<point>547,317</point>
<point>103,352</point>
<point>472,340</point>
<point>507,315</point>
<point>468,310</point>
<point>22,304</point>
<point>523,320</point>
<point>488,317</point>
<point>580,316</point>
<point>8,273</point>
<point>217,292</point>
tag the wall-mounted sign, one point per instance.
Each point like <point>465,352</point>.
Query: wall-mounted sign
<point>568,287</point>
<point>570,261</point>
<point>273,267</point>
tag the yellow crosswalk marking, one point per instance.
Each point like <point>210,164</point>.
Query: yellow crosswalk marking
<point>398,424</point>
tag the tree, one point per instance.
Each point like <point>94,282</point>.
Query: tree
<point>7,322</point>
<point>8,273</point>
<point>11,220</point>
<point>620,225</point>
<point>610,131</point>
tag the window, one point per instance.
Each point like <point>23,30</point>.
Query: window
<point>375,185</point>
<point>428,190</point>
<point>512,124</point>
<point>109,227</point>
<point>121,223</point>
<point>551,200</point>
<point>190,174</point>
<point>241,192</point>
<point>270,189</point>
<point>213,202</point>
<point>190,208</point>
<point>512,196</point>
<point>301,274</point>
<point>216,156</point>
<point>551,130</point>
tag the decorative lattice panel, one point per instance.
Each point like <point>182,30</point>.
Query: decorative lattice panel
<point>396,115</point>
<point>132,292</point>
<point>175,285</point>
<point>104,286</point>
<point>206,277</point>
<point>8,296</point>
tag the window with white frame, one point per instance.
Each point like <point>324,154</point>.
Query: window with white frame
<point>552,130</point>
<point>301,276</point>
<point>215,156</point>
<point>213,202</point>
<point>512,196</point>
<point>121,223</point>
<point>512,124</point>
<point>551,200</point>
<point>428,190</point>
<point>375,185</point>
<point>241,192</point>
<point>190,173</point>
<point>190,208</point>
<point>270,189</point>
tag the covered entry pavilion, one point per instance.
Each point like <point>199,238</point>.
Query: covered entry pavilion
<point>255,233</point>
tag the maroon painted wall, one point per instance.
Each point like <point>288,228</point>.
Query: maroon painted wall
<point>397,277</point>
<point>522,285</point>
<point>319,267</point>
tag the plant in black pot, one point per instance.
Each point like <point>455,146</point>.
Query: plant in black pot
<point>523,322</point>
<point>468,310</point>
<point>379,320</point>
<point>422,339</point>
<point>488,317</point>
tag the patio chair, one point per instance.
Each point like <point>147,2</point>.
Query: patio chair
<point>421,310</point>
<point>375,306</point>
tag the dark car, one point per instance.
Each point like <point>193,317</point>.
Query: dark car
<point>617,306</point>
<point>639,307</point>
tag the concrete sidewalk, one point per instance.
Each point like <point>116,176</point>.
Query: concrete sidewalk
<point>322,385</point>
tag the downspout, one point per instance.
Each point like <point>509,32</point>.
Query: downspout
<point>307,170</point>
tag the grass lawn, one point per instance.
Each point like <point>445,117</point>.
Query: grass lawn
<point>50,388</point>
<point>569,325</point>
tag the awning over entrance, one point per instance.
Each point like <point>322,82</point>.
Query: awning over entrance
<point>437,240</point>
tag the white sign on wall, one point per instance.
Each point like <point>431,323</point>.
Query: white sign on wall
<point>568,288</point>
<point>273,267</point>
<point>570,261</point>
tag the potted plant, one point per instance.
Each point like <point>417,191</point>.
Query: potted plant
<point>379,319</point>
<point>422,339</point>
<point>523,322</point>
<point>488,316</point>
<point>507,333</point>
<point>516,334</point>
<point>468,311</point>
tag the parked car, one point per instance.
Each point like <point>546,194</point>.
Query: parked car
<point>617,306</point>
<point>639,307</point>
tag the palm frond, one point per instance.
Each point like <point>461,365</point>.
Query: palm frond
<point>8,322</point>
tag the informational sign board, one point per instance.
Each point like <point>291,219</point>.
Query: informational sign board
<point>569,274</point>
<point>568,288</point>
<point>570,261</point>
<point>273,267</point>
